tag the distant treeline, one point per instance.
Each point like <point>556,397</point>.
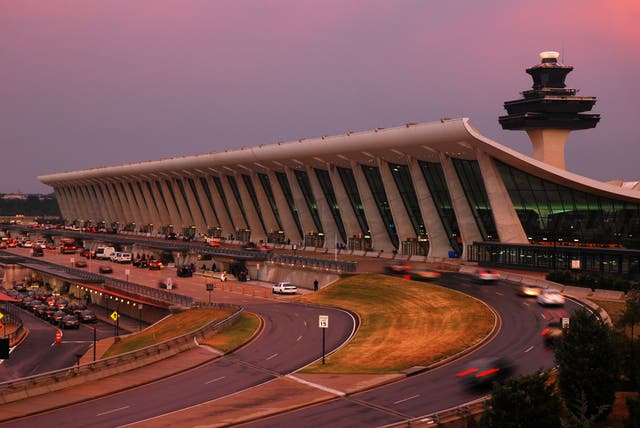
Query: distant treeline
<point>32,205</point>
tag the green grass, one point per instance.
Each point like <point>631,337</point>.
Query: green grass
<point>242,330</point>
<point>403,323</point>
<point>173,326</point>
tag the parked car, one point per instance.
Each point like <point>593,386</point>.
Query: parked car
<point>184,271</point>
<point>486,275</point>
<point>284,288</point>
<point>141,263</point>
<point>529,290</point>
<point>483,372</point>
<point>551,297</point>
<point>155,264</point>
<point>70,321</point>
<point>81,264</point>
<point>171,236</point>
<point>105,269</point>
<point>86,316</point>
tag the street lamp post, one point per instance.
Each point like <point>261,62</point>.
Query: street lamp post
<point>140,316</point>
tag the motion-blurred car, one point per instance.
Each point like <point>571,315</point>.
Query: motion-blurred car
<point>486,275</point>
<point>397,268</point>
<point>184,271</point>
<point>81,264</point>
<point>483,372</point>
<point>551,297</point>
<point>553,333</point>
<point>213,243</point>
<point>529,290</point>
<point>168,284</point>
<point>423,274</point>
<point>105,269</point>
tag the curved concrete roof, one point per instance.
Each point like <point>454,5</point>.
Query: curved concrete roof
<point>454,137</point>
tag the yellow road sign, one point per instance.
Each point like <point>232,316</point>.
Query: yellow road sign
<point>115,316</point>
<point>1,315</point>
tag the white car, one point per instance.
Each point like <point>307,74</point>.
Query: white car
<point>486,275</point>
<point>551,297</point>
<point>527,290</point>
<point>284,288</point>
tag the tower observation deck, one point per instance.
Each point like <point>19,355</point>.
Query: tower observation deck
<point>549,111</point>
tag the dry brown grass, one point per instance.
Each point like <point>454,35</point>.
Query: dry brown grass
<point>403,323</point>
<point>239,332</point>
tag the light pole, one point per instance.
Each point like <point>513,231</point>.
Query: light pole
<point>140,316</point>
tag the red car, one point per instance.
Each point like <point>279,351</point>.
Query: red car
<point>81,264</point>
<point>105,269</point>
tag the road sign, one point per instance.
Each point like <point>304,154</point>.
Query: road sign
<point>1,315</point>
<point>323,321</point>
<point>565,323</point>
<point>115,315</point>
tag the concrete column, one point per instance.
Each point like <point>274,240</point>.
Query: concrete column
<point>239,221</point>
<point>90,206</point>
<point>174,214</point>
<point>301,204</point>
<point>379,235</point>
<point>148,215</point>
<point>99,203</point>
<point>108,200</point>
<point>64,202</point>
<point>186,211</point>
<point>548,145</point>
<point>257,231</point>
<point>210,217</point>
<point>404,227</point>
<point>329,226</point>
<point>349,220</point>
<point>466,221</point>
<point>439,244</point>
<point>105,201</point>
<point>508,224</point>
<point>291,231</point>
<point>226,222</point>
<point>165,217</point>
<point>134,205</point>
<point>268,216</point>
<point>195,204</point>
<point>154,212</point>
<point>122,197</point>
<point>79,202</point>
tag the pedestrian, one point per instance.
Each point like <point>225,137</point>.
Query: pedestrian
<point>315,285</point>
<point>213,267</point>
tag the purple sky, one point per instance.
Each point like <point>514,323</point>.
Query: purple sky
<point>98,83</point>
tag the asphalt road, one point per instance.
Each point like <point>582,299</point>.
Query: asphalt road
<point>522,320</point>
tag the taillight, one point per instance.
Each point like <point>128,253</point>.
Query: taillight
<point>466,372</point>
<point>488,372</point>
<point>545,331</point>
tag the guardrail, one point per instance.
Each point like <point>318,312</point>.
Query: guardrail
<point>71,376</point>
<point>306,262</point>
<point>456,417</point>
<point>11,317</point>
<point>116,285</point>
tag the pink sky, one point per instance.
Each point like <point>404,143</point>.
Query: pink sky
<point>97,83</point>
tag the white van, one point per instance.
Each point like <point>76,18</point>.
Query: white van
<point>104,252</point>
<point>123,257</point>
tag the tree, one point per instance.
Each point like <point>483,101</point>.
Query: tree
<point>629,318</point>
<point>631,314</point>
<point>526,401</point>
<point>587,366</point>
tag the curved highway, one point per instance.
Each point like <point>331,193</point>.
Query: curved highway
<point>439,389</point>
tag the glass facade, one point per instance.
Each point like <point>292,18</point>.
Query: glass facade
<point>551,212</point>
<point>372,175</point>
<point>305,187</point>
<point>207,192</point>
<point>194,192</point>
<point>434,176</point>
<point>330,196</point>
<point>236,194</point>
<point>288,195</point>
<point>223,197</point>
<point>266,186</point>
<point>473,186</point>
<point>351,188</point>
<point>402,177</point>
<point>180,185</point>
<point>254,198</point>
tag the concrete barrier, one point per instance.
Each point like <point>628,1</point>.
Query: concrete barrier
<point>71,376</point>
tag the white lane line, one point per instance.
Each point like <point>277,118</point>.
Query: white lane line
<point>305,323</point>
<point>315,385</point>
<point>499,294</point>
<point>543,317</point>
<point>528,349</point>
<point>406,399</point>
<point>298,339</point>
<point>113,411</point>
<point>273,356</point>
<point>214,380</point>
<point>525,303</point>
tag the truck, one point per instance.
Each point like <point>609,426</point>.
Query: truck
<point>104,252</point>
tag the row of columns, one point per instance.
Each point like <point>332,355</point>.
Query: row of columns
<point>182,200</point>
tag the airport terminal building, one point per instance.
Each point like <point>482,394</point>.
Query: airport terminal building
<point>424,190</point>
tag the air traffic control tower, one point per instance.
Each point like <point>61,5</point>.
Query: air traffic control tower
<point>549,111</point>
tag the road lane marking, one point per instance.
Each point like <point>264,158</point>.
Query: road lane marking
<point>528,349</point>
<point>273,356</point>
<point>406,399</point>
<point>543,317</point>
<point>499,294</point>
<point>298,339</point>
<point>214,380</point>
<point>113,411</point>
<point>315,385</point>
<point>305,323</point>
